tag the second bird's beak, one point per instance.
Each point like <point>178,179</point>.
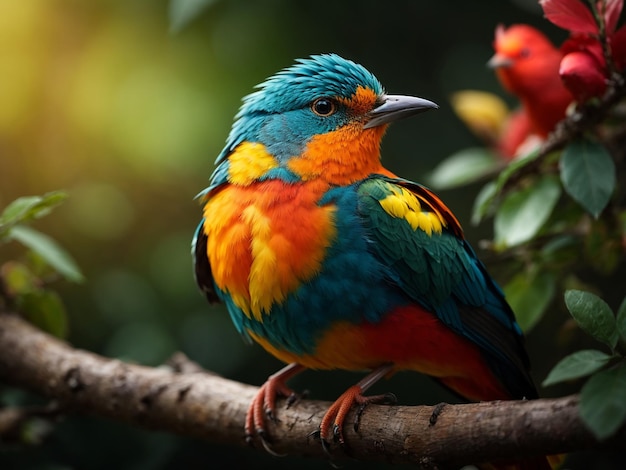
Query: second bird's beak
<point>498,61</point>
<point>397,107</point>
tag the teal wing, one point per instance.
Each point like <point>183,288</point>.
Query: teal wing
<point>421,241</point>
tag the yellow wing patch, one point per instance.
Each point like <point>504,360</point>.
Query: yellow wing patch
<point>402,204</point>
<point>248,162</point>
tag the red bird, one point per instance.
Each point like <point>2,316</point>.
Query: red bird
<point>527,65</point>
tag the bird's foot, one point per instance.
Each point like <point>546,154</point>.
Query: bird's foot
<point>263,406</point>
<point>331,427</point>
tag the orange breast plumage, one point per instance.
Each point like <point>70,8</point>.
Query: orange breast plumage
<point>265,239</point>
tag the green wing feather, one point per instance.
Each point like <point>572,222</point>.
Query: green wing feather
<point>419,238</point>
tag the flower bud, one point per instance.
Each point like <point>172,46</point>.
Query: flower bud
<point>582,75</point>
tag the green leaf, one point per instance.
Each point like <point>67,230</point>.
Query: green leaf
<point>483,201</point>
<point>529,294</point>
<point>513,167</point>
<point>464,167</point>
<point>182,12</point>
<point>496,187</point>
<point>621,321</point>
<point>577,365</point>
<point>602,403</point>
<point>593,315</point>
<point>522,213</point>
<point>44,309</point>
<point>588,175</point>
<point>49,250</point>
<point>30,207</point>
<point>487,196</point>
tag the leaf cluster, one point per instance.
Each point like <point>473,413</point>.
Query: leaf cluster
<point>24,283</point>
<point>559,210</point>
<point>602,403</point>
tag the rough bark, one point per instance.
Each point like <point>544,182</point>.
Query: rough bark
<point>195,403</point>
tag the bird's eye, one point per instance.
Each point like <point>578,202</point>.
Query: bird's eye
<point>323,107</point>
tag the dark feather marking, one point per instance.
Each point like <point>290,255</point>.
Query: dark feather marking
<point>511,352</point>
<point>202,267</point>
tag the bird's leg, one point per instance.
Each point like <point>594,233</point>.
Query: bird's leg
<point>263,405</point>
<point>332,422</point>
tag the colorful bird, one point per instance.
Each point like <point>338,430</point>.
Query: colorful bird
<point>330,261</point>
<point>527,64</point>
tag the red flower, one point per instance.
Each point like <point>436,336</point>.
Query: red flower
<point>583,69</point>
<point>618,47</point>
<point>582,75</point>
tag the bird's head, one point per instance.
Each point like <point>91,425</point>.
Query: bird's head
<point>524,57</point>
<point>323,117</point>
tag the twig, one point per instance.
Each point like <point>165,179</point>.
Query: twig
<point>583,119</point>
<point>599,16</point>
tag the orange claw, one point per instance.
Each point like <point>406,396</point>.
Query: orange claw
<point>331,427</point>
<point>263,405</point>
<point>332,422</point>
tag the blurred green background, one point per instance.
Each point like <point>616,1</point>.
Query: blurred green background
<point>105,99</point>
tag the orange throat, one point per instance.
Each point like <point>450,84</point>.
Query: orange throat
<point>341,157</point>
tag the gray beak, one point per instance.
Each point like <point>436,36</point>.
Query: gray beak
<point>499,61</point>
<point>397,107</point>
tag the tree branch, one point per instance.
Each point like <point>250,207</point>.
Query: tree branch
<point>198,404</point>
<point>584,118</point>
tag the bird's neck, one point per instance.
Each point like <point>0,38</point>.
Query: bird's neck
<point>341,157</point>
<point>337,158</point>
